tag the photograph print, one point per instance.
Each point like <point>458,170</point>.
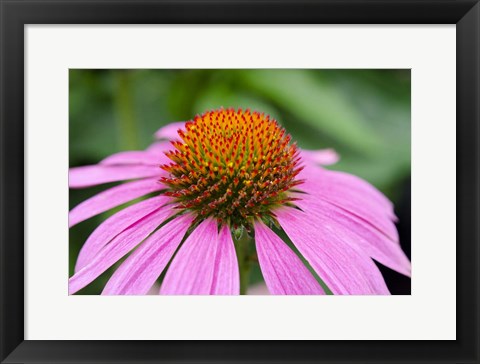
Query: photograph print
<point>239,182</point>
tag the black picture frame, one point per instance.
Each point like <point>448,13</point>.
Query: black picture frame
<point>15,14</point>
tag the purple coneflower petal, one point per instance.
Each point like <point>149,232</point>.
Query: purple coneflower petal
<point>348,182</point>
<point>359,233</point>
<point>193,269</point>
<point>283,271</point>
<point>116,249</point>
<point>258,289</point>
<point>79,177</point>
<point>112,197</point>
<point>159,147</point>
<point>321,156</point>
<point>169,131</point>
<point>226,278</point>
<point>344,269</point>
<point>351,194</point>
<point>136,157</point>
<point>114,225</point>
<point>141,269</point>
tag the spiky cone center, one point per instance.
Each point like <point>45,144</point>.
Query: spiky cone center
<point>232,165</point>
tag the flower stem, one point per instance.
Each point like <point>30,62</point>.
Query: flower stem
<point>242,245</point>
<point>125,111</point>
<point>244,277</point>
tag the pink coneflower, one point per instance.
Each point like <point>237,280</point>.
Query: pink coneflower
<point>220,187</point>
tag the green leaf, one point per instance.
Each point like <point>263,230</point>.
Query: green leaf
<point>316,104</point>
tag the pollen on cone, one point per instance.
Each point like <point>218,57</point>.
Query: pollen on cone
<point>232,165</point>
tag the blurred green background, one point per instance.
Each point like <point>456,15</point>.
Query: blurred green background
<point>363,114</point>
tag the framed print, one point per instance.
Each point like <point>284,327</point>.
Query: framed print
<point>239,181</point>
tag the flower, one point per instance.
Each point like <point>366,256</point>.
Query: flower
<point>217,183</point>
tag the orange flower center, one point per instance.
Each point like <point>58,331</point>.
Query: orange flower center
<point>232,165</point>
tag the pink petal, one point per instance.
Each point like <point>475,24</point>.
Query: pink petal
<point>321,156</point>
<point>86,176</point>
<point>347,181</point>
<point>114,225</point>
<point>359,233</point>
<point>160,147</point>
<point>141,269</point>
<point>351,194</point>
<point>116,249</point>
<point>226,278</point>
<point>344,269</point>
<point>112,197</point>
<point>136,157</point>
<point>191,272</point>
<point>283,271</point>
<point>197,268</point>
<point>259,289</point>
<point>169,131</point>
